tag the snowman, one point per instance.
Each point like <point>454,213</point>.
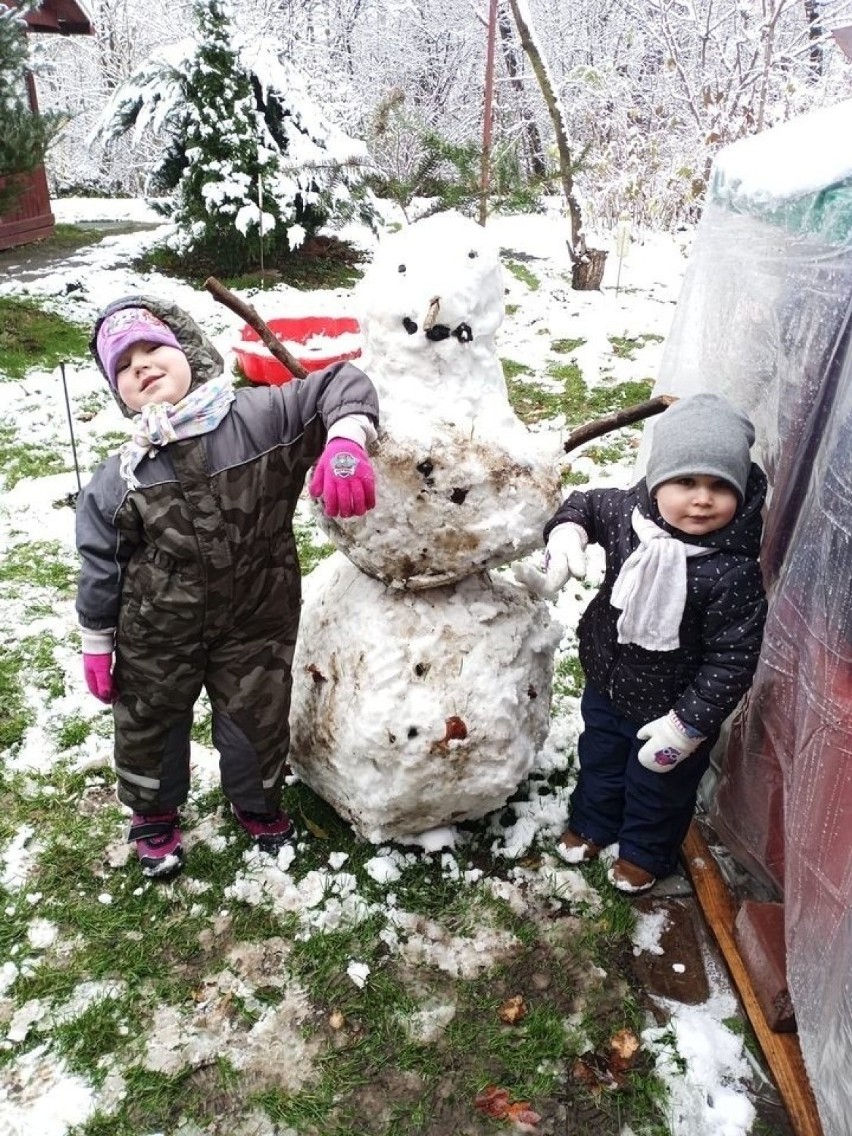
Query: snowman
<point>422,678</point>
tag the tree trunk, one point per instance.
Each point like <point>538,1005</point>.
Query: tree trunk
<point>532,137</point>
<point>587,270</point>
<point>587,264</point>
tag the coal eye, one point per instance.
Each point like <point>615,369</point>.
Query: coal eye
<point>473,254</point>
<point>401,268</point>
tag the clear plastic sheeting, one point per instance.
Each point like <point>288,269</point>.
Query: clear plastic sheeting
<point>765,318</point>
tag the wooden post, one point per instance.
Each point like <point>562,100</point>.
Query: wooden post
<point>781,1050</point>
<point>485,174</point>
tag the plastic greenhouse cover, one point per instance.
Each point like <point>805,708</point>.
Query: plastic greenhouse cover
<point>765,318</point>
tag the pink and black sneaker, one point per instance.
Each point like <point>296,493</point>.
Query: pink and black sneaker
<point>269,833</point>
<point>159,843</point>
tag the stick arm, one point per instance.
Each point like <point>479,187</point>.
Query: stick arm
<point>625,417</point>
<point>246,312</point>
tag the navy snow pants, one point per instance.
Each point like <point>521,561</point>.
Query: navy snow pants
<point>617,799</point>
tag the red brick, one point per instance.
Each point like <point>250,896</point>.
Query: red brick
<point>759,932</point>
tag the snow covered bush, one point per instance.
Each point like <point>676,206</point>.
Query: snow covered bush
<point>249,162</point>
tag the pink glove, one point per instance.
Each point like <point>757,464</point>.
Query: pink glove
<point>344,479</point>
<point>98,672</point>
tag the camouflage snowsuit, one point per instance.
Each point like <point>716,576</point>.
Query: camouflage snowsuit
<point>198,572</point>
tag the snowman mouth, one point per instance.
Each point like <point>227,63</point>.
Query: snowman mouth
<point>438,331</point>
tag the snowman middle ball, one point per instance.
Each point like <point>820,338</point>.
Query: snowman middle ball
<point>461,484</point>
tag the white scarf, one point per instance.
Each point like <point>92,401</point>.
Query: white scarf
<point>651,587</point>
<point>159,423</point>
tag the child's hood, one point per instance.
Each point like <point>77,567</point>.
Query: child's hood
<point>741,536</point>
<point>205,362</point>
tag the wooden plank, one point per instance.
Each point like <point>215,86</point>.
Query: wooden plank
<point>781,1050</point>
<point>30,218</point>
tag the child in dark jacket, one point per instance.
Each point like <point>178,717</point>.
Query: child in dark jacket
<point>670,643</point>
<point>190,575</point>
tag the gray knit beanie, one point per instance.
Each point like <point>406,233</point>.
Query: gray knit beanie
<point>702,434</point>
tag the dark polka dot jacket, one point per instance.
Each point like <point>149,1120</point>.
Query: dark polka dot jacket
<point>722,626</point>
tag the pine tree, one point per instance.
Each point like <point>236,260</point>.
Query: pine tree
<point>24,137</point>
<point>228,128</point>
<point>220,156</point>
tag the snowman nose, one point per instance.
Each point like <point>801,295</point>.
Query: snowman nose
<point>435,331</point>
<point>432,315</point>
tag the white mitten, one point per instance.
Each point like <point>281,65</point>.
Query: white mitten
<point>669,742</point>
<point>565,556</point>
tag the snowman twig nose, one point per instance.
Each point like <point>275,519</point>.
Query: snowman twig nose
<point>432,314</point>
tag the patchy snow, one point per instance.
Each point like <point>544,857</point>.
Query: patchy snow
<point>37,1091</point>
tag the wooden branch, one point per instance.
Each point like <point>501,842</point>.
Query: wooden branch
<point>781,1050</point>
<point>617,419</point>
<point>219,292</point>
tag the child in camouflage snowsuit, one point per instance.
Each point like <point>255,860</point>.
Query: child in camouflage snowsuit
<point>190,576</point>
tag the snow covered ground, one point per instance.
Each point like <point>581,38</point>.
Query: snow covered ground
<point>621,332</point>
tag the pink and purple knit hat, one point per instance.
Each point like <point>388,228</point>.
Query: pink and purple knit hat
<point>123,328</point>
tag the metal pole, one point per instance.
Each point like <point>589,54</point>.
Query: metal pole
<point>260,219</point>
<point>485,174</point>
<point>70,425</point>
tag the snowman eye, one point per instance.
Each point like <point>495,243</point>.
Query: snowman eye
<point>473,254</point>
<point>401,268</point>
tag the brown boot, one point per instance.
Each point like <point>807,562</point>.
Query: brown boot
<point>576,849</point>
<point>630,878</point>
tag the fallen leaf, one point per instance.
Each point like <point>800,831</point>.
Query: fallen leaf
<point>596,1073</point>
<point>513,1010</point>
<point>624,1047</point>
<point>313,827</point>
<point>522,1115</point>
<point>492,1101</point>
<point>495,1103</point>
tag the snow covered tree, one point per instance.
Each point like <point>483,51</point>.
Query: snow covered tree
<point>251,166</point>
<point>24,136</point>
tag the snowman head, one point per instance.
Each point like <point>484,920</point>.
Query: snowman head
<point>435,286</point>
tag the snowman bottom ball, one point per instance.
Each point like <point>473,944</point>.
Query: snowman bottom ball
<point>415,710</point>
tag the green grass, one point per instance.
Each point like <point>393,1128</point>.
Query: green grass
<point>41,563</point>
<point>626,346</point>
<point>568,677</point>
<point>15,716</point>
<point>31,336</point>
<point>566,346</point>
<point>202,727</point>
<point>311,548</point>
<point>72,732</point>
<point>533,402</point>
<point>21,458</point>
<point>110,442</point>
<point>522,273</point>
<point>91,404</point>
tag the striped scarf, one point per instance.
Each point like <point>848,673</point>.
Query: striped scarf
<point>159,423</point>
